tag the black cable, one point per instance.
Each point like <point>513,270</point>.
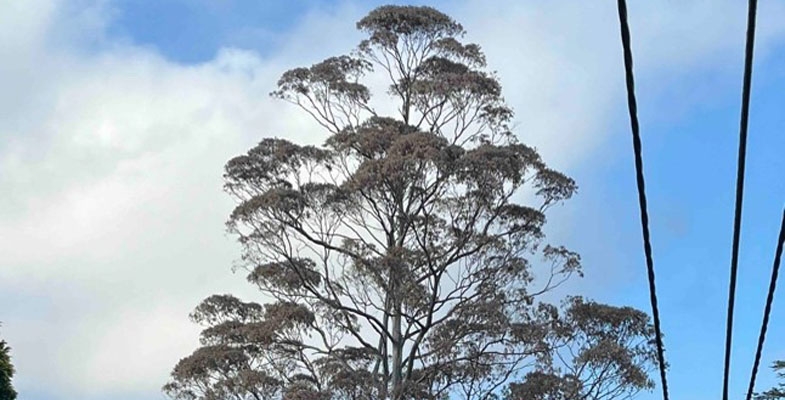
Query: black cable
<point>636,142</point>
<point>745,112</point>
<point>767,311</point>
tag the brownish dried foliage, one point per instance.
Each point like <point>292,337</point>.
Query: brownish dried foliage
<point>394,259</point>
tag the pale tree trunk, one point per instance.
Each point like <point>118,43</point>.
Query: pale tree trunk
<point>397,354</point>
<point>396,370</point>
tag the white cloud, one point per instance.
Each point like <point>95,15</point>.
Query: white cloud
<point>111,216</point>
<point>562,70</point>
<point>561,62</point>
<point>133,349</point>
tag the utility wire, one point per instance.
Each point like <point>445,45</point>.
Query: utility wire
<point>767,311</point>
<point>745,111</point>
<point>636,142</point>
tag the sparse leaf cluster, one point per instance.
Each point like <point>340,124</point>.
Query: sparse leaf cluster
<point>777,392</point>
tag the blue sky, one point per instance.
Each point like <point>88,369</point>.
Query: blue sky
<point>193,31</point>
<point>120,114</point>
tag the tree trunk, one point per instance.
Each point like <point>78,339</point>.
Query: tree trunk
<point>397,353</point>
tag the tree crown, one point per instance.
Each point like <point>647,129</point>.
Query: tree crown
<point>395,258</point>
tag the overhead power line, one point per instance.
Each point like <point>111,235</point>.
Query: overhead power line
<point>745,112</point>
<point>767,310</point>
<point>636,142</point>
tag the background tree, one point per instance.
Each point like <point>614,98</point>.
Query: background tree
<point>7,391</point>
<point>394,260</point>
<point>778,392</point>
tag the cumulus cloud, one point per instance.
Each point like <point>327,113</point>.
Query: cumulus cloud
<point>561,64</point>
<point>111,219</point>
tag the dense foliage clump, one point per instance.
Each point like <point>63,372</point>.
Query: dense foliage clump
<point>7,391</point>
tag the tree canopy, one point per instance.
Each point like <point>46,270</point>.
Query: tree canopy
<point>778,392</point>
<point>7,391</point>
<point>395,260</point>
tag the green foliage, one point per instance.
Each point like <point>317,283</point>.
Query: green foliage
<point>7,391</point>
<point>778,392</point>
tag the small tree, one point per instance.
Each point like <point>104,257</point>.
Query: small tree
<point>7,391</point>
<point>775,393</point>
<point>394,259</point>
